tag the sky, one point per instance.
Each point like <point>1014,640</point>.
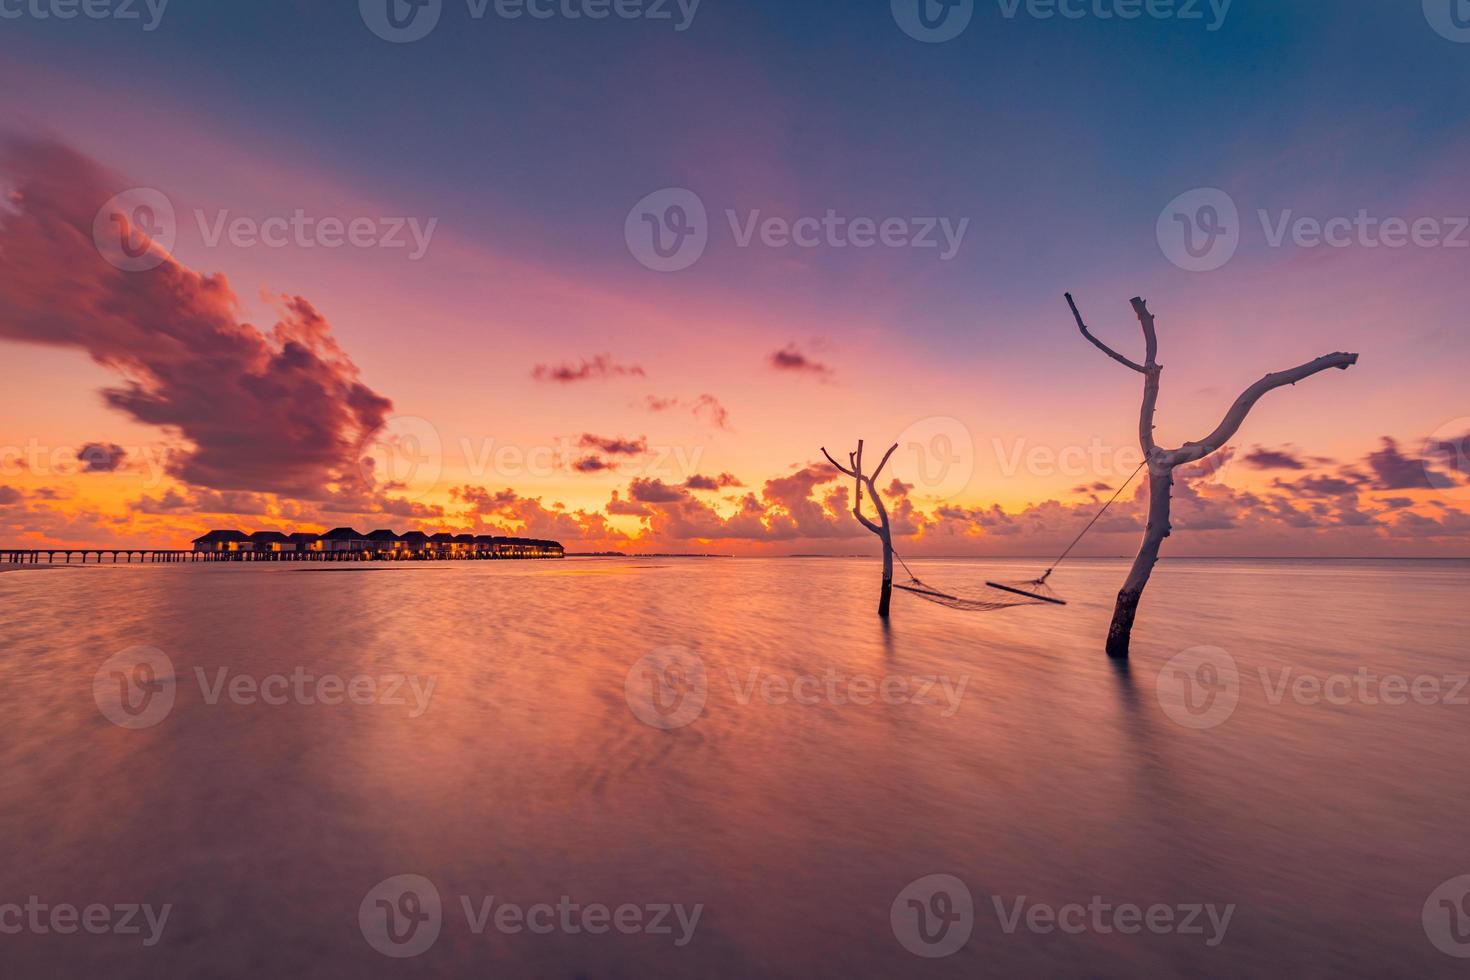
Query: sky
<point>865,227</point>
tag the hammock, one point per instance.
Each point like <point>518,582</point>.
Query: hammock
<point>1026,592</point>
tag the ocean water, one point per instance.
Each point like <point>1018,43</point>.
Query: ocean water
<point>1276,784</point>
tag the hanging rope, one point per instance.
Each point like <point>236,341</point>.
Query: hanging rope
<point>1096,517</point>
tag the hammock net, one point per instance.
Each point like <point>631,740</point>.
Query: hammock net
<point>996,595</point>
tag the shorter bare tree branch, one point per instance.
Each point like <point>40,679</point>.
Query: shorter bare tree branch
<point>1098,343</point>
<point>882,464</point>
<point>840,468</point>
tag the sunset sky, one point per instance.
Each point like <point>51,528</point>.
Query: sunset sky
<point>528,374</point>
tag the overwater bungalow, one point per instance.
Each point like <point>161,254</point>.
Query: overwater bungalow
<point>344,539</point>
<point>271,541</point>
<point>230,540</point>
<point>414,542</point>
<point>302,541</point>
<point>383,540</point>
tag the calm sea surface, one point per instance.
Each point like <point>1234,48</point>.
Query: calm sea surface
<point>796,810</point>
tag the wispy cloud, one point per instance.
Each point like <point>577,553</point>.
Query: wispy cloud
<point>707,408</point>
<point>789,358</point>
<point>720,482</point>
<point>599,367</point>
<point>615,445</point>
<point>1273,459</point>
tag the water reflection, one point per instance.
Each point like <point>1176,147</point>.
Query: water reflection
<point>799,801</point>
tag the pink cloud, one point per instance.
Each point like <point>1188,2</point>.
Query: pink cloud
<point>789,358</point>
<point>601,366</point>
<point>282,411</point>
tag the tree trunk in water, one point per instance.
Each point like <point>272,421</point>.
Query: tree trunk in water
<point>887,579</point>
<point>1160,483</point>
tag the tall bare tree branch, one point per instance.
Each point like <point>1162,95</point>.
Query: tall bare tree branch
<point>1162,462</point>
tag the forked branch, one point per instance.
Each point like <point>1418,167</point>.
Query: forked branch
<point>844,470</point>
<point>1228,426</point>
<point>854,469</point>
<point>1133,365</point>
